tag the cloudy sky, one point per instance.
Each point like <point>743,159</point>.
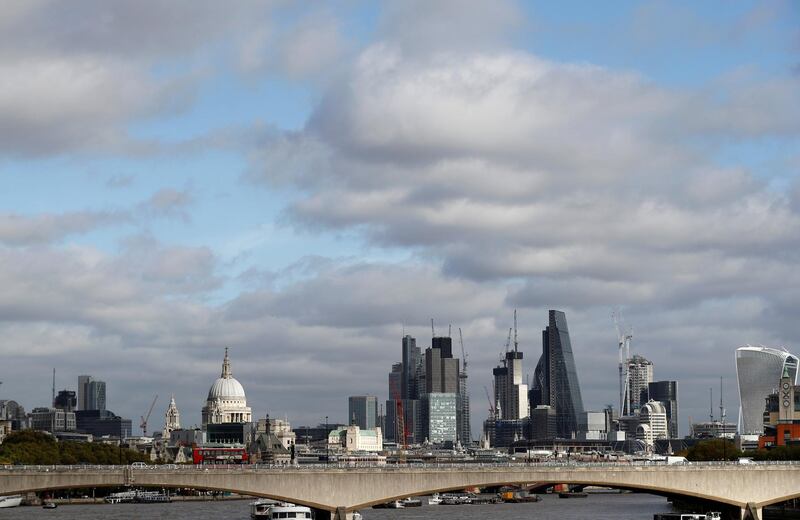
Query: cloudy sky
<point>301,181</point>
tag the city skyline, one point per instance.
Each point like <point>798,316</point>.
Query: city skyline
<point>305,184</point>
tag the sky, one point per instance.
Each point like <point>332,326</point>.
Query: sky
<point>303,182</point>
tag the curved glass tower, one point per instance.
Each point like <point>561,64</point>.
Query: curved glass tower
<point>758,371</point>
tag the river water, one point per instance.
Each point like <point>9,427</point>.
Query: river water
<point>628,506</point>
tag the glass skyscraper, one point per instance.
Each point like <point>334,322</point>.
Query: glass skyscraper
<point>442,425</point>
<point>555,380</point>
<point>758,372</point>
<point>363,411</point>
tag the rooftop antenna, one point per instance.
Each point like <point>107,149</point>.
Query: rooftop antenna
<point>53,399</point>
<point>711,402</point>
<point>722,413</point>
<point>433,331</point>
<point>450,331</point>
<point>516,344</point>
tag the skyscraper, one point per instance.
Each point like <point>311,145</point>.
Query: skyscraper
<point>640,372</point>
<point>441,390</point>
<point>555,380</point>
<point>396,382</point>
<point>411,358</point>
<point>362,410</point>
<point>757,370</point>
<point>666,392</point>
<point>91,394</point>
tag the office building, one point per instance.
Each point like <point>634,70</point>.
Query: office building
<point>542,423</point>
<point>441,417</point>
<point>66,400</point>
<point>511,394</point>
<point>91,394</point>
<point>640,373</point>
<point>362,410</point>
<point>441,369</point>
<point>462,404</point>
<point>592,426</point>
<point>409,430</point>
<point>396,382</point>
<point>102,423</point>
<point>757,370</point>
<point>53,420</point>
<point>555,380</point>
<point>352,438</point>
<point>652,423</point>
<point>666,392</point>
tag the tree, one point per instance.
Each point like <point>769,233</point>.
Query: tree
<point>713,449</point>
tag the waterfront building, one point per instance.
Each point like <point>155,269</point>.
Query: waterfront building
<point>13,412</point>
<point>652,423</point>
<point>52,420</point>
<point>757,371</point>
<point>91,394</point>
<point>441,417</point>
<point>782,415</point>
<point>555,380</point>
<point>353,438</point>
<point>5,429</point>
<point>666,392</point>
<point>226,402</point>
<point>363,411</point>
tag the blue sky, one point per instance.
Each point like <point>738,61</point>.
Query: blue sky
<point>298,181</point>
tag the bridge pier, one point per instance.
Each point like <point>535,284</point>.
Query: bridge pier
<point>751,512</point>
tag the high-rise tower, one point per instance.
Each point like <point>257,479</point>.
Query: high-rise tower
<point>555,380</point>
<point>757,371</point>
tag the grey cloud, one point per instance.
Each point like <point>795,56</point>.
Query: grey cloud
<point>169,203</point>
<point>21,230</point>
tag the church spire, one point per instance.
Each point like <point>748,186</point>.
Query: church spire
<point>226,366</point>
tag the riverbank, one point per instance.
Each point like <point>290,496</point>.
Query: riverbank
<point>80,501</point>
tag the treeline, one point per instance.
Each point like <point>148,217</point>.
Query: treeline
<point>722,449</point>
<point>31,447</point>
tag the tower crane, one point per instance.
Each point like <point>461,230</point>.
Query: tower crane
<point>143,424</point>
<point>463,352</point>
<point>492,413</point>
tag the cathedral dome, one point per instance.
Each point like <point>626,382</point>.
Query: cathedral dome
<point>226,388</point>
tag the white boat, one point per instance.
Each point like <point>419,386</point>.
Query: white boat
<point>123,497</point>
<point>397,504</point>
<point>279,510</point>
<point>10,501</point>
<point>411,502</point>
<point>434,500</point>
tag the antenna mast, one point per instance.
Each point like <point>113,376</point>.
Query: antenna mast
<point>711,402</point>
<point>53,399</point>
<point>433,331</point>
<point>722,413</point>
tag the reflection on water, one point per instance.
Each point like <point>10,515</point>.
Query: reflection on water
<point>594,507</point>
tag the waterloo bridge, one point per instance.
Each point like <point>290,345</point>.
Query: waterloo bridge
<point>341,490</point>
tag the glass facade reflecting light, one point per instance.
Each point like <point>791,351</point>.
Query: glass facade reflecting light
<point>758,369</point>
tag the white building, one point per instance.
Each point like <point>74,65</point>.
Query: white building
<point>352,438</point>
<point>226,401</point>
<point>757,371</point>
<point>652,423</point>
<point>281,428</point>
<point>592,426</point>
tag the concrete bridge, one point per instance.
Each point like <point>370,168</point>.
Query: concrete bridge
<point>340,490</point>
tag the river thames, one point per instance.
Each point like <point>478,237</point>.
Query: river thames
<point>627,506</point>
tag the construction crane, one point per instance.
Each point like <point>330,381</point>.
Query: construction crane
<point>492,413</point>
<point>624,348</point>
<point>463,352</point>
<point>433,331</point>
<point>143,425</point>
<point>508,345</point>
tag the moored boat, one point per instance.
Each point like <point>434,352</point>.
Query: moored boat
<point>411,502</point>
<point>279,510</point>
<point>572,494</point>
<point>10,501</point>
<point>434,500</point>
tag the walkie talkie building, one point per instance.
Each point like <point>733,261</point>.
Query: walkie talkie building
<point>758,371</point>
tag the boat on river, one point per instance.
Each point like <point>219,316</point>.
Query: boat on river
<point>273,510</point>
<point>10,501</point>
